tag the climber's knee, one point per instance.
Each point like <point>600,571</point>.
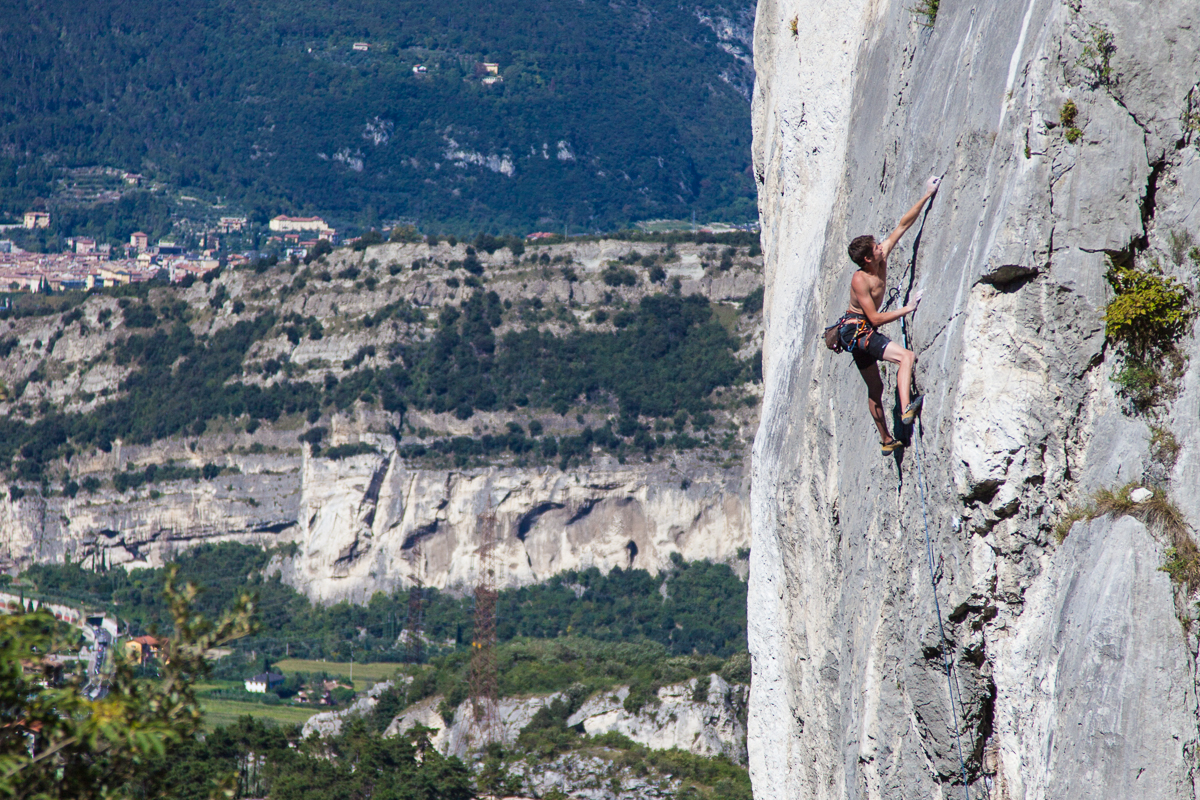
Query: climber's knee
<point>895,354</point>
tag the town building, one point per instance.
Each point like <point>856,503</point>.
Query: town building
<point>37,219</point>
<point>420,69</point>
<point>231,224</point>
<point>197,268</point>
<point>362,46</point>
<point>139,241</point>
<point>144,648</point>
<point>263,682</point>
<point>284,223</point>
<point>84,245</point>
<point>491,72</point>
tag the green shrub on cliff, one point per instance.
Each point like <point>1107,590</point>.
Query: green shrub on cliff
<point>1149,310</point>
<point>1148,314</point>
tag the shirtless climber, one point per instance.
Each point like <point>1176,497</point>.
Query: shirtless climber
<point>866,294</point>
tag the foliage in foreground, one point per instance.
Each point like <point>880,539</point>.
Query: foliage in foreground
<point>57,742</point>
<point>271,761</point>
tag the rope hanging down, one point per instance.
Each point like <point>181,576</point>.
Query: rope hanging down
<point>947,660</point>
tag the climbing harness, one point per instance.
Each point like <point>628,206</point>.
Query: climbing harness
<point>844,335</point>
<point>952,683</point>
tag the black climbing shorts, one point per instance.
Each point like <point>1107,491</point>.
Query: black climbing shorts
<point>869,349</point>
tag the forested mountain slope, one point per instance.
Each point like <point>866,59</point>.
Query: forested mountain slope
<point>598,114</point>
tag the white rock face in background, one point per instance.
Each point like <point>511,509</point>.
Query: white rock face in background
<point>366,523</point>
<point>852,113</point>
<point>424,524</point>
<point>360,522</point>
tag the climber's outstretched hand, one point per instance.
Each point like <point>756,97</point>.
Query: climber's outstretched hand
<point>910,216</point>
<point>916,301</point>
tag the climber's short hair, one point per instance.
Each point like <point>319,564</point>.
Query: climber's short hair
<point>861,247</point>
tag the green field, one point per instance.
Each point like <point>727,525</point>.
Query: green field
<point>364,674</point>
<point>226,712</point>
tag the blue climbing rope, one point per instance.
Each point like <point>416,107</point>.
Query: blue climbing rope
<point>947,661</point>
<point>952,684</point>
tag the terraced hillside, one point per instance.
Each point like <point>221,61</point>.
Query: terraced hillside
<point>376,399</point>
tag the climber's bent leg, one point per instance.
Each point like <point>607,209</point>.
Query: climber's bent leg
<point>874,383</point>
<point>904,359</point>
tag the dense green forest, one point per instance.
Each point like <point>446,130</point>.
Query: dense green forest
<point>703,611</point>
<point>604,112</point>
<point>667,355</point>
<point>356,764</point>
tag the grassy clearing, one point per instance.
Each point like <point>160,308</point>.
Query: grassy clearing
<point>364,674</point>
<point>227,712</point>
<point>727,315</point>
<point>1159,514</point>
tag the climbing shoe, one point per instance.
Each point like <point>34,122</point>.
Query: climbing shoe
<point>910,413</point>
<point>890,447</point>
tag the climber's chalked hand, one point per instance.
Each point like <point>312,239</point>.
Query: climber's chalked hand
<point>931,185</point>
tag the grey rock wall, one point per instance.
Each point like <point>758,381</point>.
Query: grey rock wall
<point>1076,679</point>
<point>424,524</point>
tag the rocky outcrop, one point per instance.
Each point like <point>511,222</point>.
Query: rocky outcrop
<point>593,777</point>
<point>461,737</point>
<point>705,726</point>
<point>854,107</point>
<point>329,723</point>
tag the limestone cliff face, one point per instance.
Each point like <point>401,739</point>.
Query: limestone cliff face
<point>1076,678</point>
<point>368,523</point>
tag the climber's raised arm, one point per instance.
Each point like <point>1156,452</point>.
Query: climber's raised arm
<point>910,216</point>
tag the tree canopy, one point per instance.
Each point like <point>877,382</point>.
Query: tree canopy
<point>602,112</point>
